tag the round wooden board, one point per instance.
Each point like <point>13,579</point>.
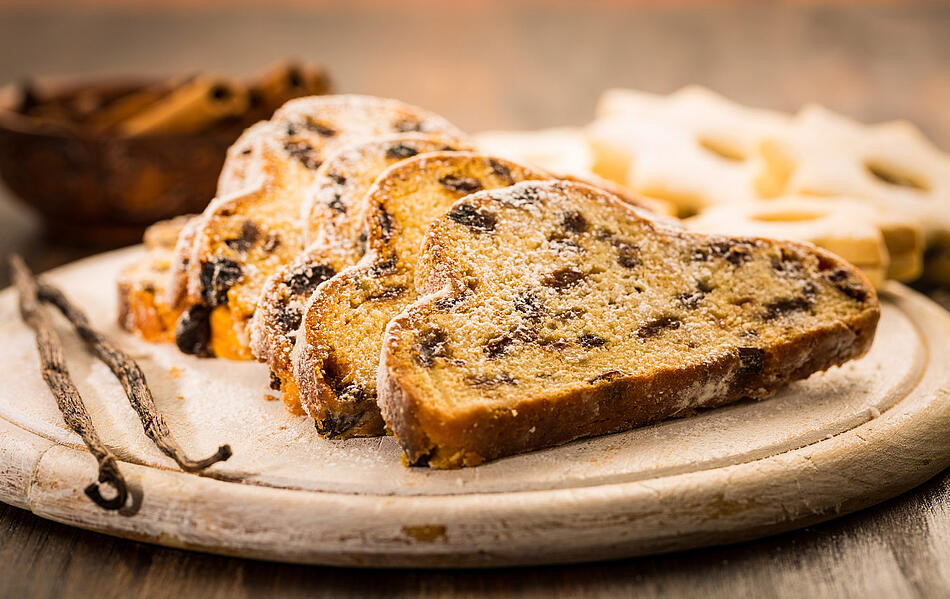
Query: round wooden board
<point>840,441</point>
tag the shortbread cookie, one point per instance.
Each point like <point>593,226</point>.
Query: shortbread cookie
<point>245,237</point>
<point>842,227</point>
<point>904,238</point>
<point>618,101</point>
<point>143,309</point>
<point>721,126</point>
<point>891,166</point>
<point>562,150</point>
<point>566,153</point>
<point>551,311</point>
<point>334,226</point>
<point>694,148</point>
<point>337,348</point>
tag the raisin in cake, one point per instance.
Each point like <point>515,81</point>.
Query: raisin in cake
<point>334,215</point>
<point>245,237</point>
<point>337,349</point>
<point>551,311</point>
<point>143,309</point>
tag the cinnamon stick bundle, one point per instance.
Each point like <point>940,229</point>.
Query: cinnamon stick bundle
<point>191,107</point>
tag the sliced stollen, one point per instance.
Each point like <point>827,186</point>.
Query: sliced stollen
<point>552,311</point>
<point>245,237</point>
<point>846,228</point>
<point>337,347</point>
<point>334,223</point>
<point>141,285</point>
<point>335,212</point>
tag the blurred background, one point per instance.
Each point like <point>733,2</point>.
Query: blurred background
<point>495,64</point>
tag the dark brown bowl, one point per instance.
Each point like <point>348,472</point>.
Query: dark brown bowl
<point>102,189</point>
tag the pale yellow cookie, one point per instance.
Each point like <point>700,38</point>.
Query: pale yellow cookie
<point>891,165</point>
<point>693,148</point>
<point>905,244</point>
<point>618,101</point>
<point>844,227</point>
<point>562,150</point>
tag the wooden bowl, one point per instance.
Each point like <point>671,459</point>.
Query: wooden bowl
<point>103,189</point>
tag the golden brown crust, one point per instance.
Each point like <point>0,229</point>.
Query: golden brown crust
<point>463,430</point>
<point>484,435</point>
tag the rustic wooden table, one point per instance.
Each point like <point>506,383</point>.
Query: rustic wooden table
<point>498,65</point>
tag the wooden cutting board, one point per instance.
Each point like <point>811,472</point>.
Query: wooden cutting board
<point>827,446</point>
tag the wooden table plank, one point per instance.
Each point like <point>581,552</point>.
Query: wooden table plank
<point>898,549</point>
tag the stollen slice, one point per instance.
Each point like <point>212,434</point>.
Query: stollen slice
<point>551,311</point>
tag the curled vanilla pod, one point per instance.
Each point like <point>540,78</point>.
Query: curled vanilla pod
<point>56,375</point>
<point>125,369</point>
<point>132,378</point>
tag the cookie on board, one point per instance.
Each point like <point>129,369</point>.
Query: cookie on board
<point>694,148</point>
<point>843,227</point>
<point>890,166</point>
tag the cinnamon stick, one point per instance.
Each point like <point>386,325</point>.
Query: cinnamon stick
<point>189,108</point>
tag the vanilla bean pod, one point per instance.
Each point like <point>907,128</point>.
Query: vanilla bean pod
<point>56,375</point>
<point>133,382</point>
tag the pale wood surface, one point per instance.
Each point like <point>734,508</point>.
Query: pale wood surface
<point>484,70</point>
